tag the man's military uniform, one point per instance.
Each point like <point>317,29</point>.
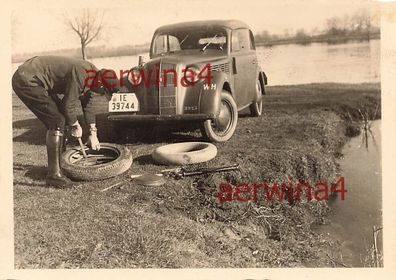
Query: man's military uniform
<point>39,82</point>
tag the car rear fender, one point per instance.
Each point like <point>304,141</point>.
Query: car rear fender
<point>263,81</point>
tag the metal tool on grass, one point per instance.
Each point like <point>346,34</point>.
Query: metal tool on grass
<point>152,180</point>
<point>181,172</point>
<point>112,186</point>
<point>82,148</point>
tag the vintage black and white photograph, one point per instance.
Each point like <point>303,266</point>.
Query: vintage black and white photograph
<point>197,134</point>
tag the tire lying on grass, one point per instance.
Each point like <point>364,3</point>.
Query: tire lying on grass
<point>111,160</point>
<point>184,153</point>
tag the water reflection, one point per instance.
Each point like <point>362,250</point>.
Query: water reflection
<point>365,126</point>
<point>366,132</point>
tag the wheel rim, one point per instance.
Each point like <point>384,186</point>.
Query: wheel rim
<point>94,158</point>
<point>259,104</point>
<point>223,122</point>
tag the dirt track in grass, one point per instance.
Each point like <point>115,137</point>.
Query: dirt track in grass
<point>182,224</point>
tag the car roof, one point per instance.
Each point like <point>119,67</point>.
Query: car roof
<point>230,24</point>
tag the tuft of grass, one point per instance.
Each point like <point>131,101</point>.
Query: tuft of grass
<point>182,224</point>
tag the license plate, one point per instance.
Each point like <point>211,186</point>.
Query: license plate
<point>124,102</point>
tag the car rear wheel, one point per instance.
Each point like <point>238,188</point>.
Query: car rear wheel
<point>256,108</point>
<point>223,126</point>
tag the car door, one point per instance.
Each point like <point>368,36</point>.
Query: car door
<point>244,66</point>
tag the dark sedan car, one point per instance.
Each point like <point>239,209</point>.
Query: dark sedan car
<point>202,71</point>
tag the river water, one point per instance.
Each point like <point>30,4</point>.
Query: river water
<point>352,219</point>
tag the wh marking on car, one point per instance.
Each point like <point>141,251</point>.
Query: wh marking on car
<point>202,71</point>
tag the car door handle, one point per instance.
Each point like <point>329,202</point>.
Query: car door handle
<point>234,69</point>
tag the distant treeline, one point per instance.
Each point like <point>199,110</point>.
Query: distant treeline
<point>321,38</point>
<point>92,52</point>
<point>358,26</point>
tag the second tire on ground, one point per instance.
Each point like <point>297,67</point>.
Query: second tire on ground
<point>111,160</point>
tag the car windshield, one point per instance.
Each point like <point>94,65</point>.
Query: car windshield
<point>192,39</point>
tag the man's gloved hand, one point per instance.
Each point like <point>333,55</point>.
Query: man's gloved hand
<point>76,130</point>
<point>93,141</point>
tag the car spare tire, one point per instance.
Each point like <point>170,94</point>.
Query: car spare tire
<point>111,160</point>
<point>184,153</point>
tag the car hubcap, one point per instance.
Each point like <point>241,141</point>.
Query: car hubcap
<point>224,120</point>
<point>93,157</point>
<point>260,97</point>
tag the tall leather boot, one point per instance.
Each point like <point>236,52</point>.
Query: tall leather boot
<point>55,178</point>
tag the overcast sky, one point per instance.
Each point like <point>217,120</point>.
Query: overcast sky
<point>40,27</point>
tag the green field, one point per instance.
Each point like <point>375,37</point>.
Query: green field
<point>182,224</point>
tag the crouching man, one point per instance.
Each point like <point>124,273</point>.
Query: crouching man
<point>40,81</point>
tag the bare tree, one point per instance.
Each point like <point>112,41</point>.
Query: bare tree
<point>87,25</point>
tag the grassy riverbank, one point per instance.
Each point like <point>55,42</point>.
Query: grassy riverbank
<point>182,224</point>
